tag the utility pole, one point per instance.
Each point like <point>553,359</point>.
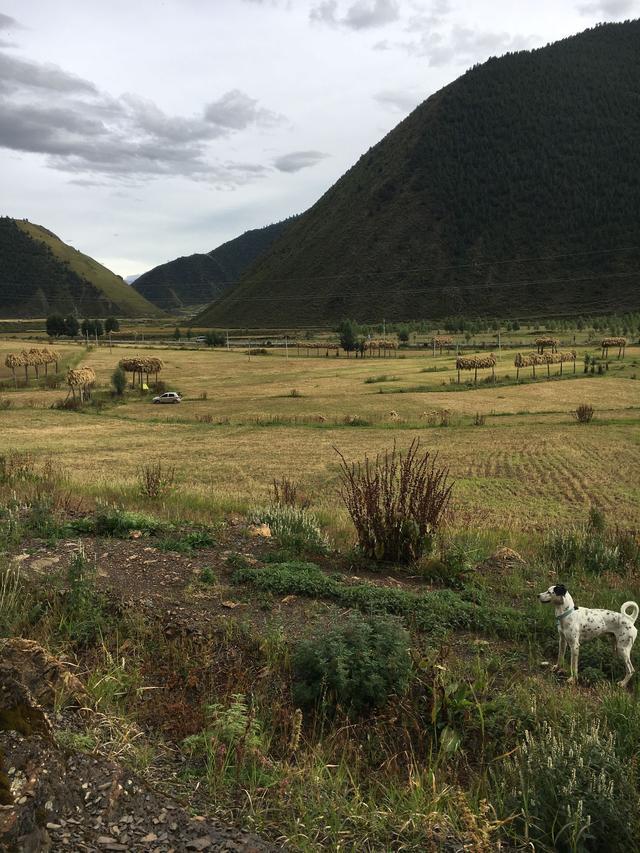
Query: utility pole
<point>227,340</point>
<point>286,347</point>
<point>384,328</point>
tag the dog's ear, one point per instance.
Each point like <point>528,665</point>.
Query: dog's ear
<point>560,590</point>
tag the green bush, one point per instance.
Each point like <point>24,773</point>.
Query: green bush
<point>355,666</point>
<point>570,791</point>
<point>434,612</point>
<point>112,520</point>
<point>594,547</point>
<point>119,381</point>
<point>294,528</point>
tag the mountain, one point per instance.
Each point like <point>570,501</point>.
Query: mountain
<point>41,275</point>
<point>199,279</point>
<point>513,191</point>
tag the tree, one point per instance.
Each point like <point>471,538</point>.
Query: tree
<point>71,327</point>
<point>177,334</point>
<point>98,328</point>
<point>119,381</point>
<point>214,339</point>
<point>403,334</point>
<point>55,325</point>
<point>86,328</point>
<point>111,324</point>
<point>348,335</point>
<point>189,334</point>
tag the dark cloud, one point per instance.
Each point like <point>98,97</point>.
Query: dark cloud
<point>297,160</point>
<point>8,23</point>
<point>609,9</point>
<point>20,73</point>
<point>361,15</point>
<point>80,130</point>
<point>398,101</point>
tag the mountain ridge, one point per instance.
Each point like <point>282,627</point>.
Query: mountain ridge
<point>200,278</point>
<point>41,275</point>
<point>534,156</point>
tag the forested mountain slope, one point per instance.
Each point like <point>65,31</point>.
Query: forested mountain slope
<point>201,278</point>
<point>41,275</point>
<point>514,191</point>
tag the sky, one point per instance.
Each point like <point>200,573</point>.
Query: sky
<point>142,131</point>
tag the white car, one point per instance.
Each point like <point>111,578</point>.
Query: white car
<point>168,397</point>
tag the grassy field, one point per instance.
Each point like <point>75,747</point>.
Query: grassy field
<point>245,420</point>
<point>178,593</point>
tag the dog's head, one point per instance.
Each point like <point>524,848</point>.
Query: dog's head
<point>553,595</point>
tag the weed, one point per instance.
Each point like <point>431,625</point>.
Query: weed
<point>156,480</point>
<point>584,413</point>
<point>185,543</point>
<point>435,612</point>
<point>113,520</point>
<point>286,492</point>
<point>569,790</point>
<point>395,502</point>
<point>357,665</point>
<point>294,528</point>
<point>479,420</point>
<point>206,575</point>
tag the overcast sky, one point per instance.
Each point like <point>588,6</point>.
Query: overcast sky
<point>140,130</point>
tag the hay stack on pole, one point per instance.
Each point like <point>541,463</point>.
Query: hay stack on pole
<point>475,363</point>
<point>442,342</point>
<point>534,359</point>
<point>621,343</point>
<point>13,360</point>
<point>83,379</point>
<point>542,343</point>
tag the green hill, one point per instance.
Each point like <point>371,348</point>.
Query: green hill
<point>199,279</point>
<point>39,275</point>
<point>514,191</point>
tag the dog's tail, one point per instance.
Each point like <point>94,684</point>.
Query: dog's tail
<point>634,608</point>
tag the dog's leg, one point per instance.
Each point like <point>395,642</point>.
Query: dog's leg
<point>575,652</point>
<point>625,654</point>
<point>562,647</point>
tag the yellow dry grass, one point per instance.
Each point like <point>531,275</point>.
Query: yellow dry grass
<point>522,469</point>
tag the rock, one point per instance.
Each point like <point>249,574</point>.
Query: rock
<point>199,843</point>
<point>45,676</point>
<point>260,530</point>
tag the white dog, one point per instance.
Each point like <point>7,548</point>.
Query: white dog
<point>576,624</point>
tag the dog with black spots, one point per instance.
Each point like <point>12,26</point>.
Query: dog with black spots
<point>576,624</point>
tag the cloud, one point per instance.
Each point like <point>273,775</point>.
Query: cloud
<point>8,23</point>
<point>460,45</point>
<point>83,131</point>
<point>297,160</point>
<point>20,73</point>
<point>397,101</point>
<point>361,15</point>
<point>609,9</point>
<point>236,110</point>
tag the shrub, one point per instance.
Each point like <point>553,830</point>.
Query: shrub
<point>232,744</point>
<point>83,619</point>
<point>593,546</point>
<point>584,413</point>
<point>156,479</point>
<point>111,520</point>
<point>187,542</point>
<point>294,528</point>
<point>356,666</point>
<point>570,791</point>
<point>479,420</point>
<point>207,418</point>
<point>294,393</point>
<point>5,403</point>
<point>396,502</point>
<point>119,381</point>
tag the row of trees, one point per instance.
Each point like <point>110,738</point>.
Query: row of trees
<point>70,327</point>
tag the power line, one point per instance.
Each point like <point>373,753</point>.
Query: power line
<point>427,291</point>
<point>443,268</point>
